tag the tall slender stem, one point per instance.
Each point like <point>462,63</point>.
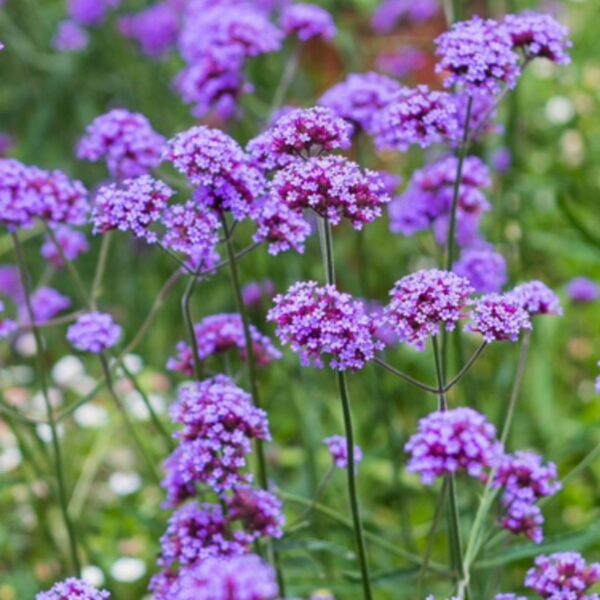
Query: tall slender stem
<point>328,254</point>
<point>253,380</point>
<point>58,463</point>
<point>100,268</point>
<point>286,79</point>
<point>189,323</point>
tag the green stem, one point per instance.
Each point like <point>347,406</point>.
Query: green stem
<point>58,463</point>
<point>328,254</point>
<point>100,268</point>
<point>189,323</point>
<point>405,377</point>
<point>286,79</point>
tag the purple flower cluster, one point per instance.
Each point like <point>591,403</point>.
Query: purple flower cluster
<point>427,202</point>
<point>70,37</point>
<point>392,12</point>
<point>425,302</point>
<point>94,332</point>
<point>155,29</point>
<point>416,116</point>
<point>29,193</point>
<point>216,42</point>
<point>483,267</point>
<point>46,303</point>
<point>333,187</point>
<point>73,589</point>
<point>72,243</point>
<point>259,512</point>
<point>256,292</point>
<point>317,321</point>
<point>583,290</point>
<point>539,35</point>
<point>537,299</point>
<point>133,205</point>
<point>402,63</point>
<point>223,333</point>
<point>224,178</point>
<point>338,448</point>
<point>360,97</point>
<point>525,480</point>
<point>499,318</point>
<point>91,12</point>
<point>307,22</point>
<point>7,327</point>
<point>563,575</point>
<point>478,54</point>
<point>10,283</point>
<point>219,423</point>
<point>451,441</point>
<point>125,140</point>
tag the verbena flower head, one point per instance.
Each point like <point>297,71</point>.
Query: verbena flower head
<point>70,37</point>
<point>259,512</point>
<point>308,132</point>
<point>524,516</point>
<point>73,244</point>
<point>483,267</point>
<point>192,231</point>
<point>359,97</point>
<point>260,149</point>
<point>10,283</point>
<point>402,63</point>
<point>223,333</point>
<point>218,168</point>
<point>46,303</point>
<point>17,206</point>
<point>308,21</point>
<point>499,318</point>
<point>133,205</point>
<point>334,188</point>
<point>338,449</point>
<point>478,54</point>
<point>125,140</point>
<point>537,299</point>
<point>91,12</point>
<point>155,29</point>
<point>256,292</point>
<point>317,321</point>
<point>240,578</point>
<point>563,575</point>
<point>416,116</point>
<point>392,12</point>
<point>539,35</point>
<point>7,326</point>
<point>424,303</point>
<point>583,290</point>
<point>452,441</point>
<point>73,589</point>
<point>281,227</point>
<point>94,332</point>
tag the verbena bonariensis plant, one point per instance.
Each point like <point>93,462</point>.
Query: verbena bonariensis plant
<point>226,536</point>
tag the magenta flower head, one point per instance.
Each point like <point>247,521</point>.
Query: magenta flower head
<point>539,36</point>
<point>281,227</point>
<point>403,63</point>
<point>307,22</point>
<point>320,321</point>
<point>223,333</point>
<point>91,12</point>
<point>309,132</point>
<point>583,290</point>
<point>524,516</point>
<point>256,292</point>
<point>359,97</point>
<point>416,116</point>
<point>452,441</point>
<point>392,12</point>
<point>537,299</point>
<point>484,268</point>
<point>10,283</point>
<point>425,302</point>
<point>224,178</point>
<point>125,140</point>
<point>334,188</point>
<point>259,512</point>
<point>499,318</point>
<point>478,54</point>
<point>155,29</point>
<point>563,575</point>
<point>73,244</point>
<point>46,303</point>
<point>7,327</point>
<point>94,332</point>
<point>70,37</point>
<point>239,578</point>
<point>133,205</point>
<point>338,449</point>
<point>72,589</point>
<point>16,205</point>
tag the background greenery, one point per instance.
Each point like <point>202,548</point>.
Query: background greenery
<point>545,221</point>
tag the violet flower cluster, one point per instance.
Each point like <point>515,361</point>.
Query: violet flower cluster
<point>219,334</point>
<point>318,321</point>
<point>499,318</point>
<point>483,267</point>
<point>91,12</point>
<point>125,141</point>
<point>73,244</point>
<point>46,303</point>
<point>583,290</point>
<point>73,589</point>
<point>307,22</point>
<point>338,449</point>
<point>94,332</point>
<point>392,12</point>
<point>537,298</point>
<point>7,326</point>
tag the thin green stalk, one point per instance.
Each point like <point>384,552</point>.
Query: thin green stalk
<point>327,249</point>
<point>286,79</point>
<point>189,323</point>
<point>406,377</point>
<point>466,368</point>
<point>100,268</point>
<point>253,380</point>
<point>58,464</point>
